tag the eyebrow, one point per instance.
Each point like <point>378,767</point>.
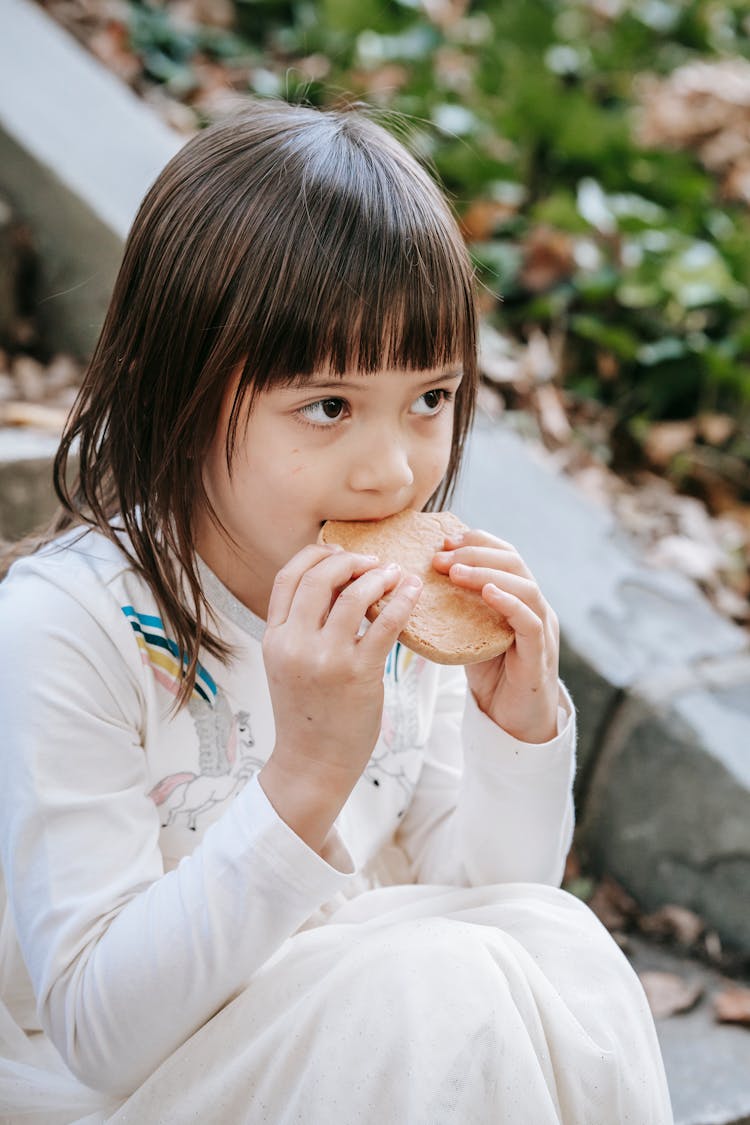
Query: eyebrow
<point>332,384</point>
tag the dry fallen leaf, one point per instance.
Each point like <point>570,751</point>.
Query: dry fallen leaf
<point>33,414</point>
<point>548,258</point>
<point>111,45</point>
<point>674,922</point>
<point>716,429</point>
<point>29,377</point>
<point>700,561</point>
<point>668,994</point>
<point>383,80</point>
<point>541,359</point>
<point>665,440</point>
<point>499,359</point>
<point>550,412</point>
<point>482,218</point>
<point>445,13</point>
<point>705,107</point>
<point>612,904</point>
<point>732,1005</point>
<point>215,13</point>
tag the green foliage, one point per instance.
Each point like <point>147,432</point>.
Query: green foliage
<point>537,97</point>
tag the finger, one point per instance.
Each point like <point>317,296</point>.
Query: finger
<point>475,537</point>
<point>496,558</point>
<point>320,588</point>
<point>530,639</point>
<point>288,579</point>
<point>476,577</point>
<point>384,631</point>
<point>351,604</point>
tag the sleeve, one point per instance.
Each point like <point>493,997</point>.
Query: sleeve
<point>126,961</point>
<point>488,808</point>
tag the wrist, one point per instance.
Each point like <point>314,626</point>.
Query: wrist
<point>534,730</point>
<point>308,800</point>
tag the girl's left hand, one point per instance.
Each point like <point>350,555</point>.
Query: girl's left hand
<point>519,689</point>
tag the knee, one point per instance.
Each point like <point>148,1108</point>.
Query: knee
<point>429,959</point>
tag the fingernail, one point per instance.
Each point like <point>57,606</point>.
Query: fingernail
<point>455,539</point>
<point>411,582</point>
<point>459,568</point>
<point>391,568</point>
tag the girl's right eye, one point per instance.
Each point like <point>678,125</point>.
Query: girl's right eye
<point>324,412</point>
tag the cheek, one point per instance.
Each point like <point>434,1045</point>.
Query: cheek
<point>443,454</point>
<point>433,468</point>
<point>214,473</point>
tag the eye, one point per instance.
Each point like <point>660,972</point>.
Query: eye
<point>324,412</point>
<point>431,402</point>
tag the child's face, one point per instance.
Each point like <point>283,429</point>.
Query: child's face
<point>353,448</point>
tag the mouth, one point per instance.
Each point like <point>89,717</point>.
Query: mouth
<point>362,519</point>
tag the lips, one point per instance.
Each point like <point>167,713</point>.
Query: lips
<point>362,519</point>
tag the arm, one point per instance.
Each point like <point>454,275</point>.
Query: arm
<point>489,808</point>
<point>510,816</point>
<point>126,961</point>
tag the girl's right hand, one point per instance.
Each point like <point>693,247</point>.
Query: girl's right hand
<point>325,680</point>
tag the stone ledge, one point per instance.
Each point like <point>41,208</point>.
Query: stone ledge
<point>27,499</point>
<point>77,152</point>
<point>667,810</point>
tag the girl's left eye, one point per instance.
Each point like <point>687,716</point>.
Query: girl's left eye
<point>324,412</point>
<point>431,402</point>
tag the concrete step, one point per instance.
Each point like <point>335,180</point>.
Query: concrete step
<point>78,150</point>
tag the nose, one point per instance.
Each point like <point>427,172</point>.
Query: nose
<point>381,465</point>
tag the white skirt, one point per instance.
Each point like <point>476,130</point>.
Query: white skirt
<point>412,1005</point>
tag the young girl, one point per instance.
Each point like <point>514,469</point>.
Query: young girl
<point>262,863</point>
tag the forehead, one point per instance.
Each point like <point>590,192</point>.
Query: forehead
<point>328,380</point>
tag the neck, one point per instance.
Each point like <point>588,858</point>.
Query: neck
<point>243,577</point>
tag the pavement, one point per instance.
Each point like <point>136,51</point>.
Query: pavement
<point>707,1063</point>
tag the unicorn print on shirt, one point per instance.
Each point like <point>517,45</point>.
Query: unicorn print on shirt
<point>226,764</point>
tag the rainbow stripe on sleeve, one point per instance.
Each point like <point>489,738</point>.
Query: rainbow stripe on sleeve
<point>163,657</point>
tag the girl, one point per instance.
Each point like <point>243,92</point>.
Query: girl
<point>262,863</point>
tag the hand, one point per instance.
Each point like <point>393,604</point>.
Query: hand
<point>325,680</point>
<point>518,690</point>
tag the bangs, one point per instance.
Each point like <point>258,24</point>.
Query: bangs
<point>381,299</point>
<point>365,272</point>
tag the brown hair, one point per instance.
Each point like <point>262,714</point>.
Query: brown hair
<point>280,241</point>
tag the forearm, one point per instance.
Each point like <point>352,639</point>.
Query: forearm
<point>508,816</point>
<point>177,951</point>
<point>308,799</point>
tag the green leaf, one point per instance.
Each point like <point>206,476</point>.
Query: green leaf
<point>615,338</point>
<point>498,261</point>
<point>669,347</point>
<point>698,276</point>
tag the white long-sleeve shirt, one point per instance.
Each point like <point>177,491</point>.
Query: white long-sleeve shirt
<point>148,876</point>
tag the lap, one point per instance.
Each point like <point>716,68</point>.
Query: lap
<point>426,1005</point>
